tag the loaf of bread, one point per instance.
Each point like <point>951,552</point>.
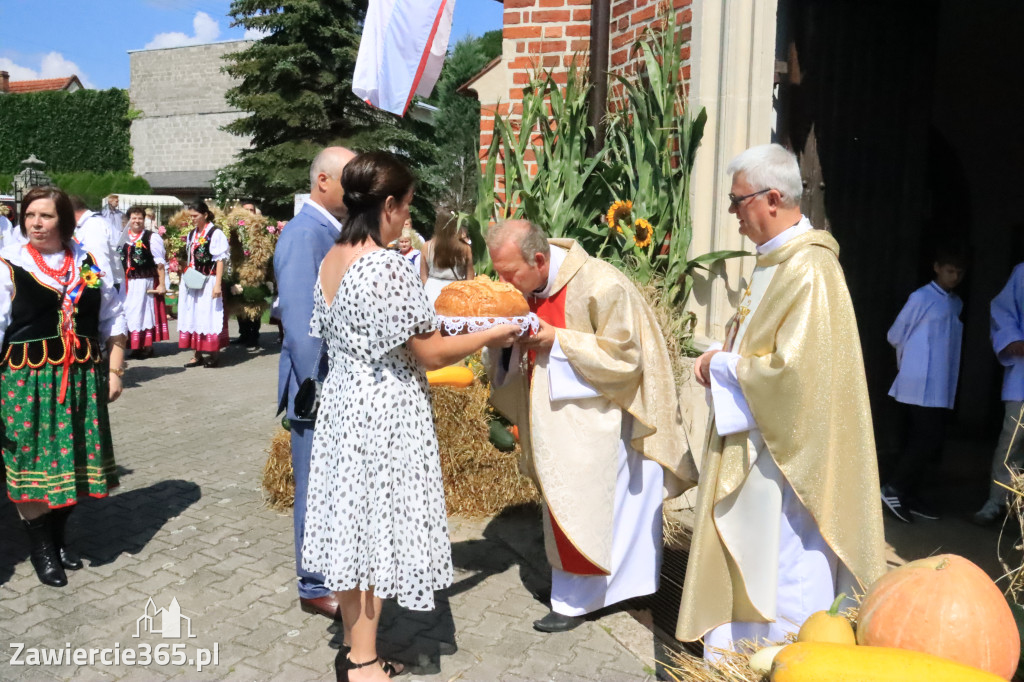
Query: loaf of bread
<point>480,297</point>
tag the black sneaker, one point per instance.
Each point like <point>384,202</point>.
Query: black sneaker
<point>922,509</point>
<point>892,502</point>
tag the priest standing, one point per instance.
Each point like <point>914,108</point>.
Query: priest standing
<point>594,399</point>
<point>787,513</point>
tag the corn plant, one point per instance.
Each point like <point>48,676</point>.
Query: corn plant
<point>566,190</point>
<point>641,178</point>
<point>653,133</point>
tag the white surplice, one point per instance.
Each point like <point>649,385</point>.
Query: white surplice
<point>1008,326</point>
<point>788,568</point>
<point>926,336</point>
<point>636,532</point>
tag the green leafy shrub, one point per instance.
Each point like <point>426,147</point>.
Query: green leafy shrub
<point>87,130</point>
<point>628,203</point>
<point>93,187</point>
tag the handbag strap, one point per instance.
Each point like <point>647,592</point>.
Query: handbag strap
<point>316,360</point>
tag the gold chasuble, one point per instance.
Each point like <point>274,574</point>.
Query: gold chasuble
<point>802,375</point>
<point>571,447</point>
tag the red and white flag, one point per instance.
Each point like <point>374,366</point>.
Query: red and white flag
<point>401,52</point>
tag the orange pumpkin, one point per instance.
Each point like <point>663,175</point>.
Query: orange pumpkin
<point>946,606</point>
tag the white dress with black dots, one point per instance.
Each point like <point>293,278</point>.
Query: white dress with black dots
<point>375,513</point>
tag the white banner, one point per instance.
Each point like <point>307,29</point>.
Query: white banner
<point>401,52</point>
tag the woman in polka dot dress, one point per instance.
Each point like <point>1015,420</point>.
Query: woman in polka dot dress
<point>55,308</point>
<point>375,520</point>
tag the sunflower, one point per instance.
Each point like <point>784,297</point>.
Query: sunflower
<point>620,210</point>
<point>90,275</point>
<point>642,232</point>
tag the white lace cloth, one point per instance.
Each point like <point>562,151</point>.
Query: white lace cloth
<point>467,325</point>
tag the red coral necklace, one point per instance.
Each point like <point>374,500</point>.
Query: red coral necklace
<point>62,273</point>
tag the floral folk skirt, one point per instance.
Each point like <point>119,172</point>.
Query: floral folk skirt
<point>56,452</point>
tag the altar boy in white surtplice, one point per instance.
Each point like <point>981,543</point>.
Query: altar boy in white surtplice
<point>926,336</point>
<point>593,396</point>
<point>787,513</point>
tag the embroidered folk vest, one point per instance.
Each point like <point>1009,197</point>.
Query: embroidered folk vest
<point>138,261</point>
<point>34,334</point>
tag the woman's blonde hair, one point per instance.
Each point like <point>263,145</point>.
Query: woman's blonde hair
<point>410,234</point>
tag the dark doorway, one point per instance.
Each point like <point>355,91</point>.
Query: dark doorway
<point>907,120</point>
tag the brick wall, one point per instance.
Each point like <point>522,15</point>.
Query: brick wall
<point>180,92</point>
<point>549,33</point>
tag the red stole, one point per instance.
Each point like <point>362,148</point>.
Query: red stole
<point>552,311</point>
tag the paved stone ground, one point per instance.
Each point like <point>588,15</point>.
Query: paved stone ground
<point>188,523</point>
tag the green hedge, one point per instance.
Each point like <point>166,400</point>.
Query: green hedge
<point>87,130</point>
<point>92,187</point>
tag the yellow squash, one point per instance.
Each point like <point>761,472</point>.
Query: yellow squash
<point>453,375</point>
<point>827,626</point>
<point>826,662</point>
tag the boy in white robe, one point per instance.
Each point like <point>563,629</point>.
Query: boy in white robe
<point>926,335</point>
<point>1007,333</point>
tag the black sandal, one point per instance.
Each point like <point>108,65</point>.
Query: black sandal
<point>343,664</point>
<point>390,670</point>
<point>194,362</point>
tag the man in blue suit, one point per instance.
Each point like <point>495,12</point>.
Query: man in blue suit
<point>304,242</point>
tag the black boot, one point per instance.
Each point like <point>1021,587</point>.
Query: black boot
<point>69,559</point>
<point>44,553</point>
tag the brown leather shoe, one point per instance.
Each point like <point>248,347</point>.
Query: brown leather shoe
<point>325,606</point>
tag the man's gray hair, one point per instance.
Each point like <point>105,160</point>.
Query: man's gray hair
<point>771,166</point>
<point>529,237</point>
<point>329,162</point>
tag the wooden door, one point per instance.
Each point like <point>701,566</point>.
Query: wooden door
<point>854,102</point>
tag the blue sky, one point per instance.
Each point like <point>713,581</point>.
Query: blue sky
<point>91,38</point>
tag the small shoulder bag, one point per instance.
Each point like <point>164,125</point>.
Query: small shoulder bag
<point>307,398</point>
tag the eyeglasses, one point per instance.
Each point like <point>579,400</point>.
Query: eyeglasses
<point>735,201</point>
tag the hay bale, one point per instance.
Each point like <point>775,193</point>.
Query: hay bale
<point>479,479</point>
<point>278,479</point>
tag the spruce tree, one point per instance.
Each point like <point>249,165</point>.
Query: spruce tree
<point>457,122</point>
<point>295,85</point>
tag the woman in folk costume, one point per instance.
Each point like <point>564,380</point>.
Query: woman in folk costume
<point>142,256</point>
<point>202,325</point>
<point>56,308</point>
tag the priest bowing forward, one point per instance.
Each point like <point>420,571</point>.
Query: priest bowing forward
<point>599,421</point>
<point>787,512</point>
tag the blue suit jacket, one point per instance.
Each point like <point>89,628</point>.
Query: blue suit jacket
<point>304,242</point>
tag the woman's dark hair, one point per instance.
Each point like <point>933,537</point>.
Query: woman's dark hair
<point>65,214</point>
<point>135,209</point>
<point>201,207</point>
<point>447,250</point>
<point>368,180</point>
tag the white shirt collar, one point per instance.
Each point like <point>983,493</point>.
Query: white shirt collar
<point>940,290</point>
<point>85,216</point>
<point>323,211</point>
<point>778,240</point>
<point>557,258</point>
